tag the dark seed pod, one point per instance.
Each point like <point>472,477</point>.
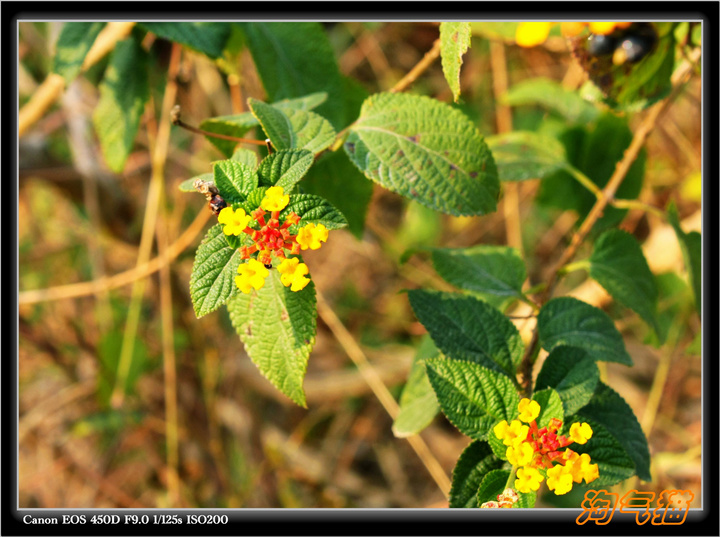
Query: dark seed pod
<point>268,266</point>
<point>601,45</point>
<point>217,204</point>
<point>636,44</point>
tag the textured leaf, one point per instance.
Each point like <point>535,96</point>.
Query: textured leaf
<point>290,129</point>
<point>123,93</point>
<point>465,328</point>
<point>294,59</point>
<point>334,178</point>
<point>492,485</point>
<point>74,42</point>
<point>424,150</point>
<point>237,125</point>
<point>454,42</point>
<point>522,155</point>
<point>483,269</point>
<point>285,167</point>
<point>611,411</point>
<point>568,321</point>
<point>206,37</point>
<point>234,180</point>
<point>551,95</point>
<point>550,406</point>
<point>277,327</point>
<point>212,281</point>
<point>418,404</point>
<point>187,184</point>
<point>315,210</point>
<point>572,373</point>
<point>691,246</point>
<point>474,463</point>
<point>472,397</point>
<point>618,264</point>
<point>245,156</point>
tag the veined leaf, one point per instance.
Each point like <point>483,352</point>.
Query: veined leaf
<point>285,167</point>
<point>523,155</point>
<point>572,322</point>
<point>277,327</point>
<point>472,397</point>
<point>454,42</point>
<point>691,246</point>
<point>485,270</point>
<point>618,264</point>
<point>465,328</point>
<point>315,210</point>
<point>212,281</point>
<point>206,37</point>
<point>492,485</point>
<point>123,93</point>
<point>418,404</point>
<point>245,156</point>
<point>234,180</point>
<point>551,95</point>
<point>74,42</point>
<point>293,129</point>
<point>572,373</point>
<point>550,406</point>
<point>473,465</point>
<point>424,150</point>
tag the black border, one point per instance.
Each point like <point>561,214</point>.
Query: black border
<point>361,521</point>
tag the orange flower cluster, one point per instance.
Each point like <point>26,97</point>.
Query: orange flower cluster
<point>532,449</point>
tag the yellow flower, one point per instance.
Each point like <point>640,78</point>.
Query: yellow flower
<point>311,235</point>
<point>580,432</point>
<point>528,479</point>
<point>605,28</point>
<point>293,274</point>
<point>530,34</point>
<point>521,454</point>
<point>572,28</point>
<point>560,479</point>
<point>235,221</point>
<point>580,467</point>
<point>251,274</point>
<point>274,199</point>
<point>529,410</point>
<point>513,434</point>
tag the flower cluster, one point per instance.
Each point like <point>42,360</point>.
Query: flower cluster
<point>532,449</point>
<point>270,238</point>
<point>504,501</point>
<point>530,34</point>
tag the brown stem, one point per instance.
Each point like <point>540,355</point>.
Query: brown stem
<point>420,68</point>
<point>180,123</point>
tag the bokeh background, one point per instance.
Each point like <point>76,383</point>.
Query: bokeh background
<point>85,443</point>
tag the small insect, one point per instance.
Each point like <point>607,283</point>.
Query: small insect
<point>216,202</point>
<point>268,266</point>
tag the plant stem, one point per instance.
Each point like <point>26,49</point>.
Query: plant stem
<point>419,68</point>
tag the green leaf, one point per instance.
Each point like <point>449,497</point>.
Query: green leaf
<point>609,409</point>
<point>206,37</point>
<point>568,321</point>
<point>523,155</point>
<point>315,210</point>
<point>551,95</point>
<point>123,93</point>
<point>188,184</point>
<point>289,129</point>
<point>465,328</point>
<point>492,485</point>
<point>418,404</point>
<point>74,42</point>
<point>550,406</point>
<point>277,327</point>
<point>245,156</point>
<point>334,178</point>
<point>212,281</point>
<point>618,264</point>
<point>691,246</point>
<point>473,465</point>
<point>234,180</point>
<point>237,125</point>
<point>573,374</point>
<point>454,42</point>
<point>285,167</point>
<point>484,270</point>
<point>294,59</point>
<point>472,397</point>
<point>424,150</point>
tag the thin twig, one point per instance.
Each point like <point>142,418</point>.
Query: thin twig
<point>420,68</point>
<point>386,399</point>
<point>180,123</point>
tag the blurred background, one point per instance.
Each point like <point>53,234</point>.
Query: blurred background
<point>91,438</point>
